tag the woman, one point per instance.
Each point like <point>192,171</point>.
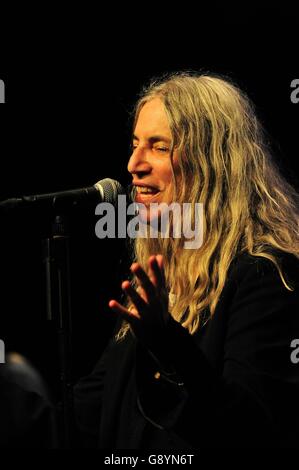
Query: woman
<point>202,358</point>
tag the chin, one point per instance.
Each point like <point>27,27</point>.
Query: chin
<point>148,215</point>
<point>150,218</point>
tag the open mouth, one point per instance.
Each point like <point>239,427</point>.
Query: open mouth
<point>146,190</point>
<point>146,194</point>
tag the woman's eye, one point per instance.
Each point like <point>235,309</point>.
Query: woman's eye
<point>162,149</point>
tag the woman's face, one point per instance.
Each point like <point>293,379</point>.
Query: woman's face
<point>150,163</point>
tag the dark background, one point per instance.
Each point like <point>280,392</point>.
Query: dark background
<point>66,124</point>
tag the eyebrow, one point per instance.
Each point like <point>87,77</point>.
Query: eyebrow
<point>155,138</point>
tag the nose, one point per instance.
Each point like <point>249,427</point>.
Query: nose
<point>139,163</point>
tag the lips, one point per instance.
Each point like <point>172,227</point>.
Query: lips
<point>146,190</point>
<point>143,184</point>
<point>146,198</point>
<point>145,193</point>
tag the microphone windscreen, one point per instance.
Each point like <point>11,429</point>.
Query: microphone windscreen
<point>109,189</point>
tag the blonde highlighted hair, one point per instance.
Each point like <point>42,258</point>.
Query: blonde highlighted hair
<point>225,164</point>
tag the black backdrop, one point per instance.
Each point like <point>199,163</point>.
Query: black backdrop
<point>66,124</point>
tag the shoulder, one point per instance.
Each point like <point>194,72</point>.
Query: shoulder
<point>254,288</point>
<point>245,267</point>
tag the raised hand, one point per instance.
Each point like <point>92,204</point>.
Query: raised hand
<point>149,315</point>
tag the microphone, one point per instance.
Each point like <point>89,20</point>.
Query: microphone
<point>105,190</point>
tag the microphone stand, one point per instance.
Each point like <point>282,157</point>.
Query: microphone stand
<point>58,295</point>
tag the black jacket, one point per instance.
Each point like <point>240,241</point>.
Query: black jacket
<point>233,383</point>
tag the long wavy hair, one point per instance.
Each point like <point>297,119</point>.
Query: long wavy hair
<point>224,163</point>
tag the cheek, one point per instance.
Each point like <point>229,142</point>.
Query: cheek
<point>166,174</point>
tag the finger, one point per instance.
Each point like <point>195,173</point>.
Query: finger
<point>139,303</point>
<point>143,280</point>
<point>160,262</point>
<point>155,272</point>
<point>159,259</point>
<point>127,314</point>
<point>141,291</point>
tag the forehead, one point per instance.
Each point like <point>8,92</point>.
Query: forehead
<point>152,120</point>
